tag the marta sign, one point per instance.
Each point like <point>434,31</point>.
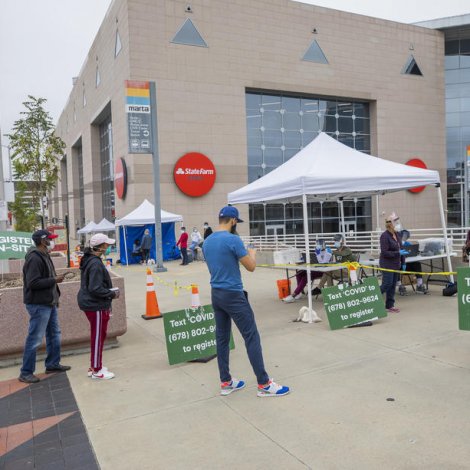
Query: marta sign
<point>194,174</point>
<point>14,245</point>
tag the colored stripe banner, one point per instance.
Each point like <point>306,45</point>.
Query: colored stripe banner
<point>138,100</point>
<point>136,84</point>
<point>137,92</point>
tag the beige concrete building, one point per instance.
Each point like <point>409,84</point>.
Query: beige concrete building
<point>248,83</point>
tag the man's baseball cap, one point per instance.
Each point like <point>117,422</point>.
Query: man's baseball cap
<point>39,235</point>
<point>99,239</point>
<point>231,212</point>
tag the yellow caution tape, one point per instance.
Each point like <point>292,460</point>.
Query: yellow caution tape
<point>355,265</point>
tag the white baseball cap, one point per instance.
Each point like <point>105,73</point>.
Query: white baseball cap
<point>99,239</point>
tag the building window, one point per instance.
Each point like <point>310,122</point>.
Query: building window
<point>279,126</point>
<point>411,67</point>
<point>107,169</point>
<point>97,77</point>
<point>314,53</point>
<point>117,44</point>
<point>457,74</point>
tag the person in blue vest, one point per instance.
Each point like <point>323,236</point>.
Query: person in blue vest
<point>224,252</point>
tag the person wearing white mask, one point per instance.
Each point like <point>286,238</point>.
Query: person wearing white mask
<point>342,254</point>
<point>196,239</point>
<point>41,298</point>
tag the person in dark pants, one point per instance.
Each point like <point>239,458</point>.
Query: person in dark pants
<point>41,297</point>
<point>183,244</point>
<point>94,299</point>
<point>145,245</point>
<point>391,257</point>
<point>207,230</point>
<point>223,252</point>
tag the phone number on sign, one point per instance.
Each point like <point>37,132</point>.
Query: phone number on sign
<point>185,335</point>
<point>352,303</point>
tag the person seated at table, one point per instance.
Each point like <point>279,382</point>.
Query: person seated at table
<point>466,249</point>
<point>342,254</point>
<point>136,250</point>
<point>411,266</point>
<point>322,255</point>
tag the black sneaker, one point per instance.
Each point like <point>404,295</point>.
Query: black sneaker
<point>29,379</point>
<point>57,368</point>
<point>316,291</point>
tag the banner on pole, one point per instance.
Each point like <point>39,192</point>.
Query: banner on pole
<point>349,305</point>
<point>14,245</point>
<point>190,334</point>
<point>139,120</point>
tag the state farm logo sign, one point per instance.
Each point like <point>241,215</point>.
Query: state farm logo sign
<point>194,174</point>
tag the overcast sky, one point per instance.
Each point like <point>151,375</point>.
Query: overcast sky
<point>43,43</point>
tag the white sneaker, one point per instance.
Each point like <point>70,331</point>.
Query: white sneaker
<point>272,389</point>
<point>90,370</point>
<point>103,374</point>
<point>298,296</point>
<point>289,299</point>
<point>226,388</point>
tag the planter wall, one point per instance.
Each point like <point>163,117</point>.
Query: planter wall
<point>14,319</point>
<point>16,265</point>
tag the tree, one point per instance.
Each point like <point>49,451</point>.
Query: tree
<point>35,155</point>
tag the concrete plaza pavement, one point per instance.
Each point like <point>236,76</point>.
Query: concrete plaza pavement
<point>156,416</point>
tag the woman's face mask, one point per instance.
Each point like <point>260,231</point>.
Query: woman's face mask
<point>398,227</point>
<point>206,226</point>
<point>108,251</point>
<point>337,244</point>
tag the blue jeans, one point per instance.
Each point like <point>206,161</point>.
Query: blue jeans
<point>43,321</point>
<point>232,305</point>
<point>389,282</point>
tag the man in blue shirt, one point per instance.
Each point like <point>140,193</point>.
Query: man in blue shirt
<point>223,251</point>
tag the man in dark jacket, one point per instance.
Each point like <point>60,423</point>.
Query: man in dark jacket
<point>41,297</point>
<point>207,230</point>
<point>94,298</point>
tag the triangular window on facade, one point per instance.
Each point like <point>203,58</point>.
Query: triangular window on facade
<point>189,35</point>
<point>117,45</point>
<point>84,98</point>
<point>315,54</point>
<point>98,77</point>
<point>411,67</point>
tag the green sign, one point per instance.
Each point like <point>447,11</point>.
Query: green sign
<point>348,305</point>
<point>14,244</point>
<point>190,334</point>
<point>463,281</point>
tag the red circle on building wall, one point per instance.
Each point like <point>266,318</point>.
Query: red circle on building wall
<point>418,163</point>
<point>194,174</point>
<point>120,178</point>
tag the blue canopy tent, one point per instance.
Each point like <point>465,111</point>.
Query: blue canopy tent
<point>133,225</point>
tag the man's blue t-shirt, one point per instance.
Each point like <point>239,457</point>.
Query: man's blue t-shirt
<point>222,250</point>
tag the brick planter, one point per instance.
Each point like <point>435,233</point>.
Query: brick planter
<point>14,320</point>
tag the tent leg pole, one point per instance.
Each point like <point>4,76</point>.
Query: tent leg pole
<point>444,228</point>
<point>125,244</point>
<point>343,226</point>
<point>311,315</point>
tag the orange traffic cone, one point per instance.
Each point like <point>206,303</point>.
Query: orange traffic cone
<point>152,311</point>
<point>108,265</point>
<point>352,275</point>
<point>195,300</point>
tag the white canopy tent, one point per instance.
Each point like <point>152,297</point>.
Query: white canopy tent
<point>143,215</point>
<point>89,227</point>
<point>105,226</point>
<point>329,170</point>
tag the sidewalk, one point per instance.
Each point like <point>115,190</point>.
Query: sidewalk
<point>153,416</point>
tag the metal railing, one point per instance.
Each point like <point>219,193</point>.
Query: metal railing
<point>360,242</point>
